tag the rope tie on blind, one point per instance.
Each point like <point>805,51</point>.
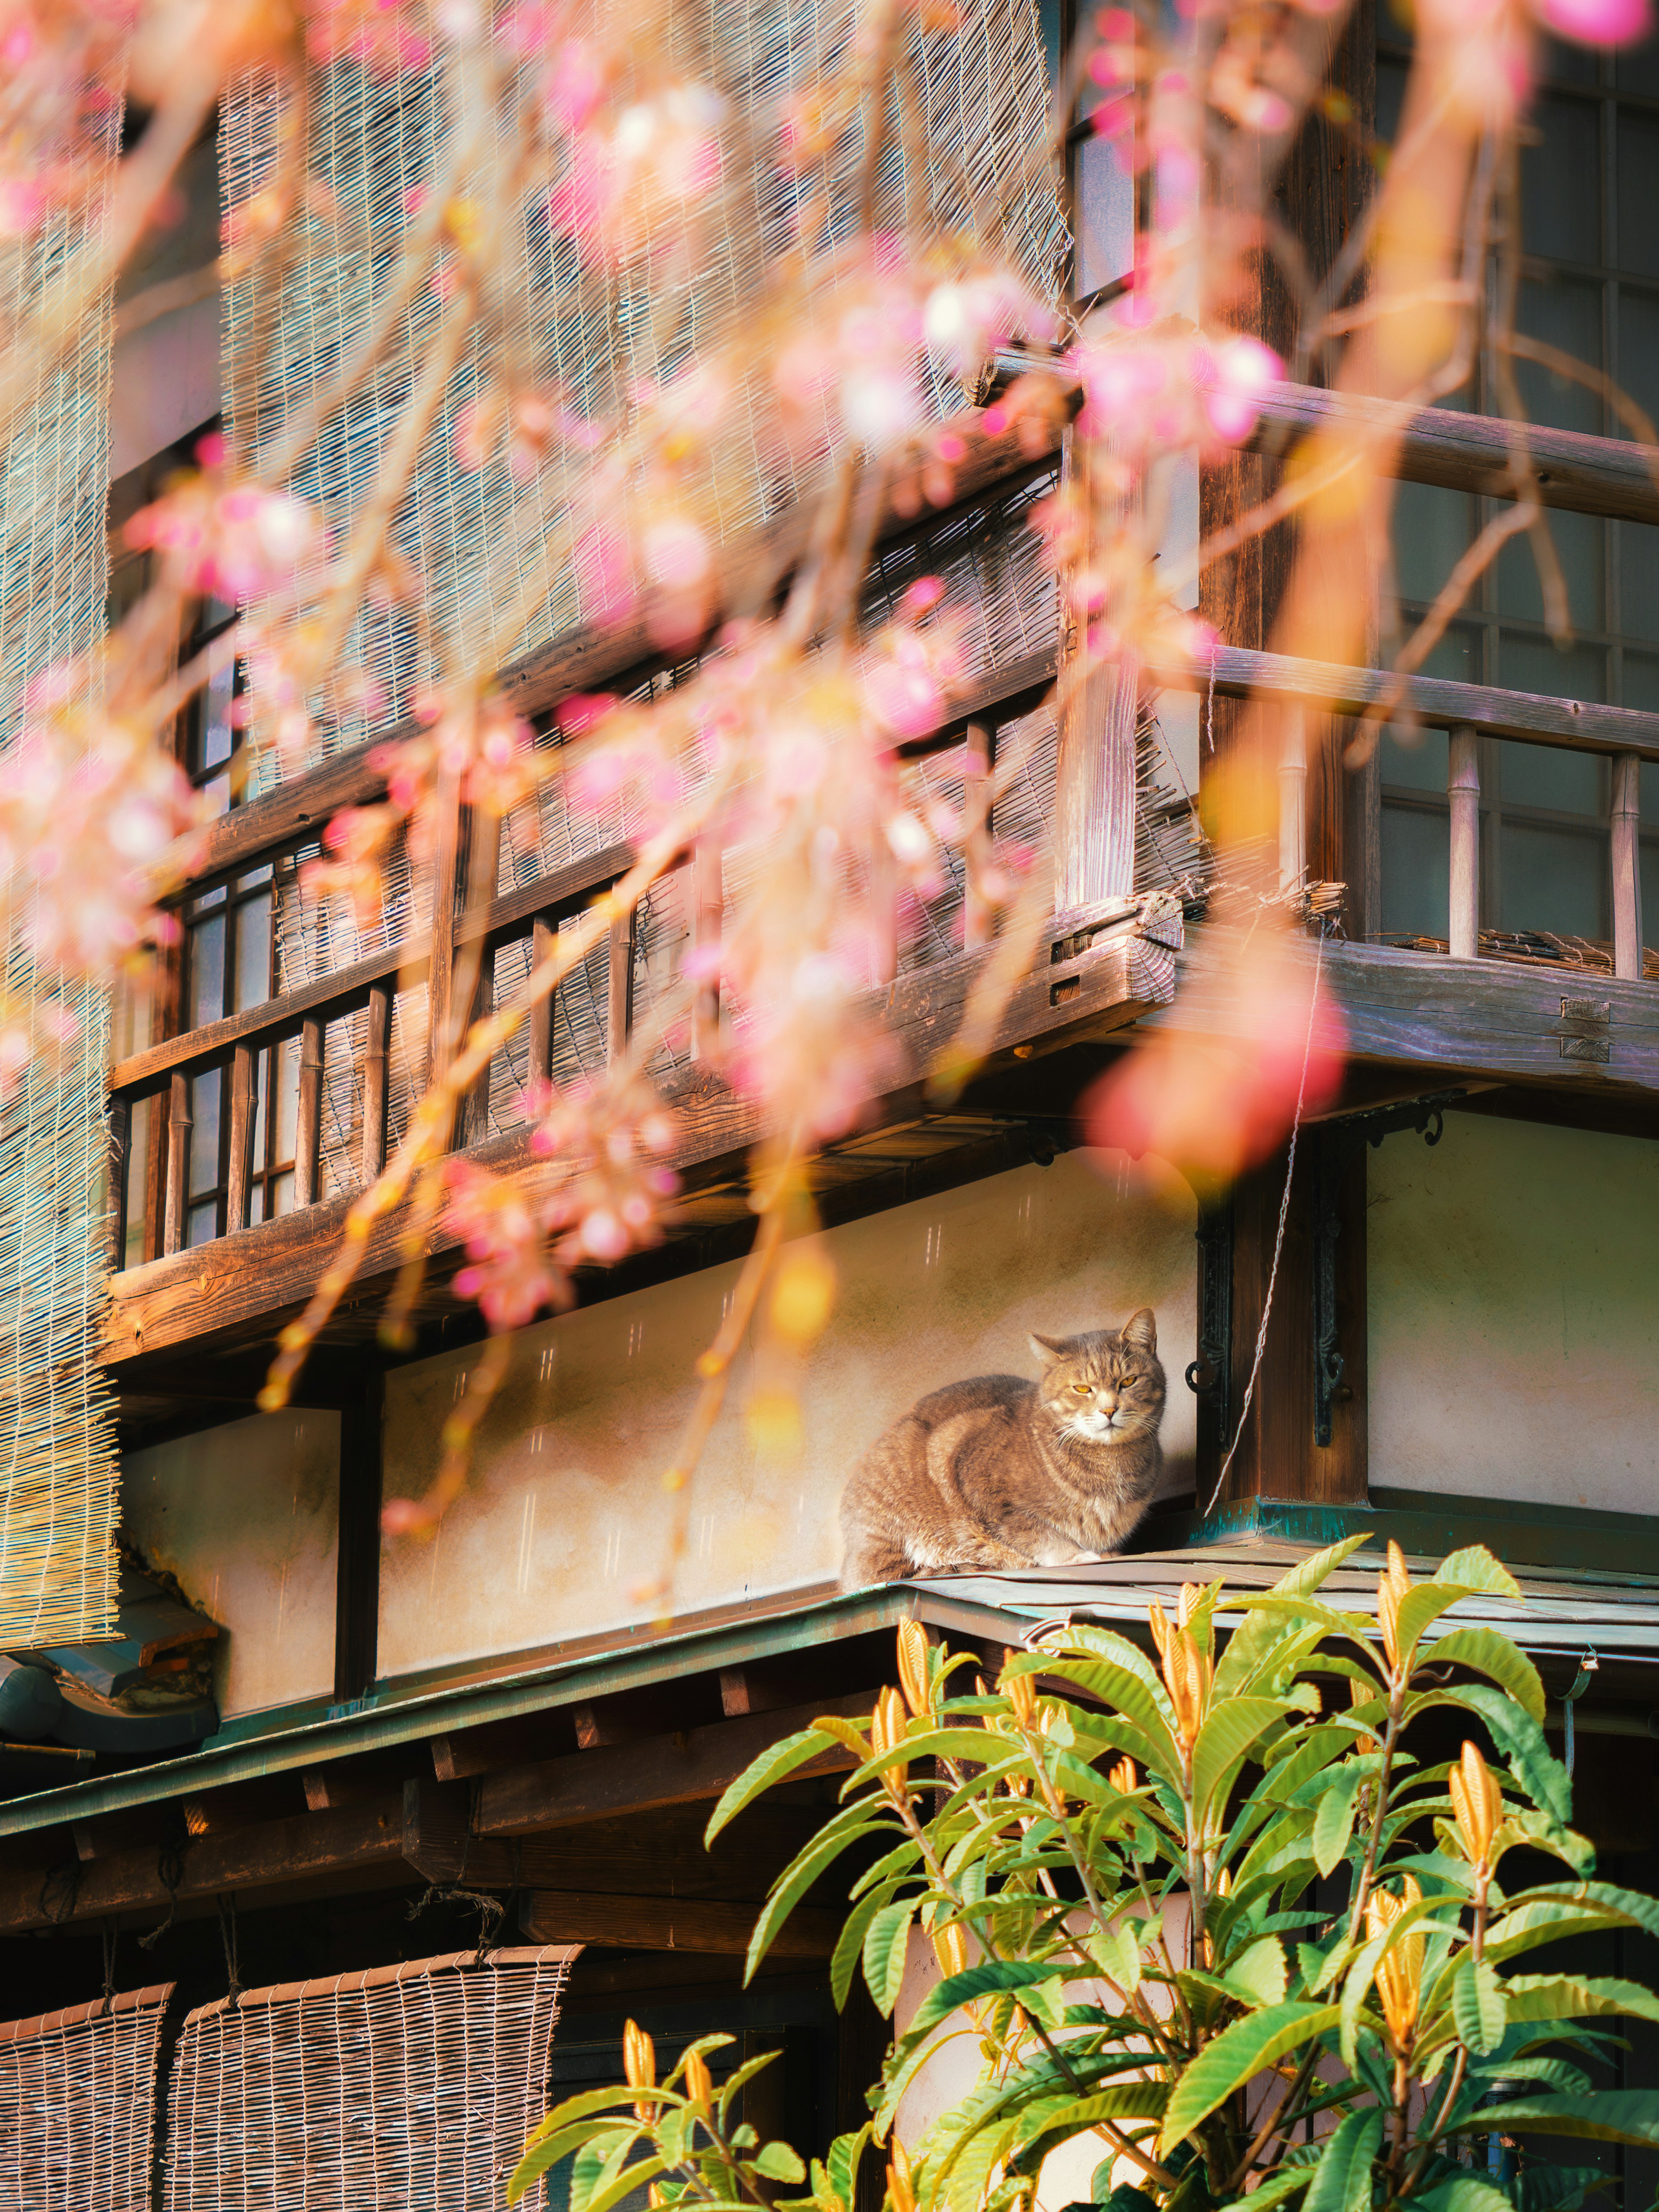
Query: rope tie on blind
<point>1279,1234</point>
<point>170,1872</point>
<point>227,1904</point>
<point>488,1908</point>
<point>111,1934</point>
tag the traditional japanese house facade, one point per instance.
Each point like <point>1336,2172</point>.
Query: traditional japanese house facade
<point>314,1730</point>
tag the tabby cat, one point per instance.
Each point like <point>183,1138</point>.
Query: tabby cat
<point>1000,1473</point>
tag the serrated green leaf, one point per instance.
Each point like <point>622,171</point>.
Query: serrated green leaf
<point>1273,2189</point>
<point>885,1942</point>
<point>1240,2051</point>
<point>992,1977</point>
<point>793,1885</point>
<point>1569,1996</point>
<point>779,2163</point>
<point>773,1765</point>
<point>1467,2192</point>
<point>1258,1975</point>
<point>741,2076</point>
<point>1630,2116</point>
<point>1478,2006</point>
<point>1543,2188</point>
<point>1333,1817</point>
<point>1519,1740</point>
<point>1342,2179</point>
<point>1116,1952</point>
<point>1489,1653</point>
<point>1474,1568</point>
<point>1306,1576</point>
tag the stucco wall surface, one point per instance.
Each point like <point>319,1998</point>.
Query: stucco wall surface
<point>1514,1279</point>
<point>564,1517</point>
<point>246,1516</point>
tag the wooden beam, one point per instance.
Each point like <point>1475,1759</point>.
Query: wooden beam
<point>638,1777</point>
<point>671,1924</point>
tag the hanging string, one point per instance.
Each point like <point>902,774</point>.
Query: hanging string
<point>1589,1665</point>
<point>1279,1234</point>
<point>111,1934</point>
<point>170,1872</point>
<point>228,1936</point>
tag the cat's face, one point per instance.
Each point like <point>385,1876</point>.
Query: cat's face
<point>1104,1388</point>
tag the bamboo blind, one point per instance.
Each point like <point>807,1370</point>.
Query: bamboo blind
<point>58,1458</point>
<point>78,2105</point>
<point>402,2086</point>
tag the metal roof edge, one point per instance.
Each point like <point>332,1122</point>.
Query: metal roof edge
<point>314,1742</point>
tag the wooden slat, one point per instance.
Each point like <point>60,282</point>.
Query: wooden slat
<point>308,1132</point>
<point>619,985</point>
<point>178,1129</point>
<point>1100,984</point>
<point>376,1057</point>
<point>441,1010</point>
<point>1626,852</point>
<point>707,927</point>
<point>638,1777</point>
<point>544,931</point>
<point>244,1102</point>
<point>671,1924</point>
<point>1463,798</point>
<point>979,750</point>
<point>121,1147</point>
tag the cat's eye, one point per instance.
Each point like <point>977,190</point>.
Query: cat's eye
<point>1084,1390</point>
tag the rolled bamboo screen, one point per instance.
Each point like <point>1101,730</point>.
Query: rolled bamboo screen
<point>378,2092</point>
<point>78,2105</point>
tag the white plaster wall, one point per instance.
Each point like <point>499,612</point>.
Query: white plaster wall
<point>247,1517</point>
<point>564,1516</point>
<point>1514,1293</point>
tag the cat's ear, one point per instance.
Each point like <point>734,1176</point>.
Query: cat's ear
<point>1141,1331</point>
<point>1048,1349</point>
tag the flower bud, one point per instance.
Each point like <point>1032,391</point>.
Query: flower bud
<point>899,2186</point>
<point>950,1949</point>
<point>1400,1973</point>
<point>699,2086</point>
<point>1158,1620</point>
<point>887,1721</point>
<point>1123,1776</point>
<point>639,2065</point>
<point>1477,1800</point>
<point>1187,1678</point>
<point>1017,1689</point>
<point>1390,1589</point>
<point>913,1666</point>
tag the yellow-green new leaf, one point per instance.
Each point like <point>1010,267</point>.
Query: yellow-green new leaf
<point>1236,2055</point>
<point>1571,1997</point>
<point>1257,1976</point>
<point>1224,1740</point>
<point>1484,1651</point>
<point>772,1766</point>
<point>1477,2005</point>
<point>1630,2116</point>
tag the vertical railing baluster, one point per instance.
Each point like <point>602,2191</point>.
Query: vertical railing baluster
<point>1627,866</point>
<point>238,1174</point>
<point>619,986</point>
<point>1293,802</point>
<point>308,1131</point>
<point>1463,799</point>
<point>708,922</point>
<point>978,755</point>
<point>179,1121</point>
<point>376,1057</point>
<point>543,936</point>
<point>120,1146</point>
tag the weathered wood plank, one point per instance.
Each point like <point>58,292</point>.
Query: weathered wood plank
<point>244,1860</point>
<point>637,1777</point>
<point>671,1924</point>
<point>1109,976</point>
<point>1480,1018</point>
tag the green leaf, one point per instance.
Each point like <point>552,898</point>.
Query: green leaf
<point>1542,2187</point>
<point>849,1944</point>
<point>1117,1953</point>
<point>1258,1974</point>
<point>884,1946</point>
<point>1333,1817</point>
<point>1224,1740</point>
<point>1521,1740</point>
<point>1240,2051</point>
<point>637,2176</point>
<point>1128,2100</point>
<point>990,1978</point>
<point>843,2162</point>
<point>1467,2193</point>
<point>579,2107</point>
<point>1474,1568</point>
<point>1492,1655</point>
<point>1305,1578</point>
<point>793,1885</point>
<point>783,1758</point>
<point>1477,2005</point>
<point>1342,2179</point>
<point>779,2163</point>
<point>1566,1997</point>
<point>1629,2116</point>
<point>740,2077</point>
<point>1273,2189</point>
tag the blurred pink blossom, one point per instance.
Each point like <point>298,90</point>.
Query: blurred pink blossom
<point>627,180</point>
<point>963,323</point>
<point>511,1274</point>
<point>234,541</point>
<point>384,35</point>
<point>615,1138</point>
<point>1143,392</point>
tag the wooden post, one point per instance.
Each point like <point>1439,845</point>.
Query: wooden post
<point>978,755</point>
<point>180,1120</point>
<point>376,1054</point>
<point>440,967</point>
<point>1292,802</point>
<point>707,922</point>
<point>357,1569</point>
<point>1463,798</point>
<point>543,936</point>
<point>309,1130</point>
<point>1627,867</point>
<point>619,987</point>
<point>244,1081</point>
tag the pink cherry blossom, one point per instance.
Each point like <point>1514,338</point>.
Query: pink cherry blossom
<point>964,323</point>
<point>384,35</point>
<point>236,541</point>
<point>1597,22</point>
<point>511,1274</point>
<point>613,1139</point>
